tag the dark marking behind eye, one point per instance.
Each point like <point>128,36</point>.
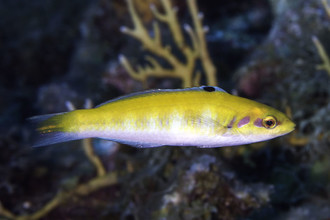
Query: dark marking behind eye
<point>258,122</point>
<point>243,121</point>
<point>209,88</point>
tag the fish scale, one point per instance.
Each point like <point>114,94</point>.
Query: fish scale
<point>201,116</point>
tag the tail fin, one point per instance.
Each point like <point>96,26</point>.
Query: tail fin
<point>50,129</point>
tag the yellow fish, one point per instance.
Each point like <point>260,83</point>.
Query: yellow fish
<point>203,116</point>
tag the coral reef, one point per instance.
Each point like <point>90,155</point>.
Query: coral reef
<point>212,191</point>
<point>183,69</point>
<point>102,180</point>
<point>60,51</point>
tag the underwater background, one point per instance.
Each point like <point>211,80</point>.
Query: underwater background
<point>57,55</point>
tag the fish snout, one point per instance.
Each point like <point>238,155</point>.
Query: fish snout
<point>290,126</point>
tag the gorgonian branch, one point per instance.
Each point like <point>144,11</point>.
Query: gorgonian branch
<point>183,69</point>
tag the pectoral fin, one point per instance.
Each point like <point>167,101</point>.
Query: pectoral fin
<point>207,122</point>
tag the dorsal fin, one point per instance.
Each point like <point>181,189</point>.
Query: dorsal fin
<point>201,88</point>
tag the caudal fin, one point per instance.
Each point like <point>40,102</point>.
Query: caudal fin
<point>50,129</point>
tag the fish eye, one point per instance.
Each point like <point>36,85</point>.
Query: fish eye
<point>269,122</point>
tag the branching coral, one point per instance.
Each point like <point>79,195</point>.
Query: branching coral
<point>102,180</point>
<point>62,196</point>
<point>320,49</point>
<point>182,69</point>
<point>323,54</point>
<point>326,6</point>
